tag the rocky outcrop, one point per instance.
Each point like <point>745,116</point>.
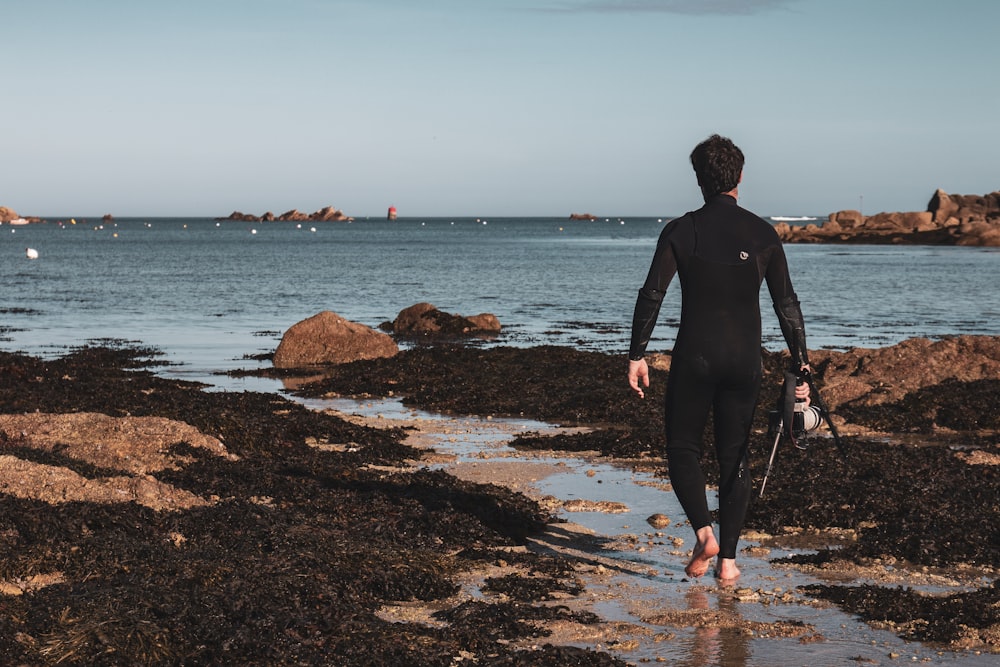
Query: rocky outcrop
<point>328,338</point>
<point>949,220</point>
<point>325,214</point>
<point>582,216</point>
<point>947,388</point>
<point>426,319</point>
<point>9,215</point>
<point>884,375</point>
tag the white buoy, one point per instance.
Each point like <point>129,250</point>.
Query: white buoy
<point>31,253</point>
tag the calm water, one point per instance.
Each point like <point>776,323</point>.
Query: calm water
<point>209,293</point>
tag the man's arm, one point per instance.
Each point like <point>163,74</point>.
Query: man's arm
<point>647,303</point>
<point>786,307</point>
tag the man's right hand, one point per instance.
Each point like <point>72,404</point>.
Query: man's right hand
<point>638,372</point>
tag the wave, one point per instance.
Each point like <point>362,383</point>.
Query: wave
<point>785,218</point>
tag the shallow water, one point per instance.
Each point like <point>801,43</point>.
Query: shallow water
<point>211,293</point>
<point>648,571</point>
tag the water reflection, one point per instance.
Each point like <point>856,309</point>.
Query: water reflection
<point>717,638</point>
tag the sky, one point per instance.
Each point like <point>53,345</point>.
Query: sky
<point>492,107</point>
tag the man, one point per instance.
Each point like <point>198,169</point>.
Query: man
<point>722,253</point>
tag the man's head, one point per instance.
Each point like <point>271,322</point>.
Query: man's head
<point>718,163</point>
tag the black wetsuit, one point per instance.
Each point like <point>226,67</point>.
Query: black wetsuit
<point>722,253</point>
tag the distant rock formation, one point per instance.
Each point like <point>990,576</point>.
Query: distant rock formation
<point>328,338</point>
<point>10,215</point>
<point>426,319</point>
<point>325,214</point>
<point>582,216</point>
<point>949,220</point>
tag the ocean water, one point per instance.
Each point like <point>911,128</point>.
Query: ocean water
<point>211,294</point>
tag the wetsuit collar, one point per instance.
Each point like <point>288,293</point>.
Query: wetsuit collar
<point>721,199</point>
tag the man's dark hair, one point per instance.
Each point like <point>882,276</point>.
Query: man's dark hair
<point>718,163</point>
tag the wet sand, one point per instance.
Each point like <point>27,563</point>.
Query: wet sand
<point>632,573</point>
<point>325,538</point>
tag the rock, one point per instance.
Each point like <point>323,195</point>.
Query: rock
<point>941,206</point>
<point>582,216</point>
<point>424,318</point>
<point>658,521</point>
<point>485,322</point>
<point>293,215</point>
<point>7,214</point>
<point>328,213</point>
<point>884,375</point>
<point>848,219</point>
<point>411,319</point>
<point>948,220</point>
<point>327,338</point>
<point>325,214</point>
<point>979,234</point>
<point>240,216</point>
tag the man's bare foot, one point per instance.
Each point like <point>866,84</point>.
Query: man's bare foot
<point>704,551</point>
<point>726,569</point>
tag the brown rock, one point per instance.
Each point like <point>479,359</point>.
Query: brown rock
<point>848,219</point>
<point>413,320</point>
<point>485,322</point>
<point>240,216</point>
<point>327,338</point>
<point>979,234</point>
<point>424,318</point>
<point>876,376</point>
<point>328,214</point>
<point>293,215</point>
<point>941,206</point>
<point>7,214</point>
<point>950,220</point>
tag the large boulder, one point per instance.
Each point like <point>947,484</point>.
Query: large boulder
<point>979,233</point>
<point>875,376</point>
<point>424,319</point>
<point>327,338</point>
<point>849,219</point>
<point>6,214</point>
<point>942,206</point>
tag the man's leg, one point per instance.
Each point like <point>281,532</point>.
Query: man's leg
<point>689,398</point>
<point>734,411</point>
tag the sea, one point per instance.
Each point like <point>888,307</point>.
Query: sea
<point>215,296</point>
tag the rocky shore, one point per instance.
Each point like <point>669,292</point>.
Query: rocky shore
<point>147,521</point>
<point>970,220</point>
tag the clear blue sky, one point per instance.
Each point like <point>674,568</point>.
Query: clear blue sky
<point>492,107</point>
